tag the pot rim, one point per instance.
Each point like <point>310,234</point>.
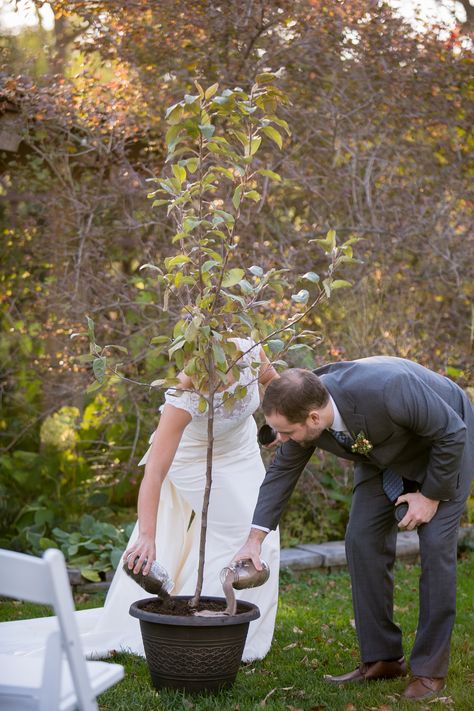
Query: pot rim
<point>252,613</point>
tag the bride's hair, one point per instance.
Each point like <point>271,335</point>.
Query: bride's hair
<point>294,394</point>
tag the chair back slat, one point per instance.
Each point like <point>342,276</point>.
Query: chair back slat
<point>25,578</point>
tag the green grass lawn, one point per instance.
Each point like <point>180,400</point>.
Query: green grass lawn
<point>314,636</point>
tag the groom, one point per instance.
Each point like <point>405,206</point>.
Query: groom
<point>410,434</point>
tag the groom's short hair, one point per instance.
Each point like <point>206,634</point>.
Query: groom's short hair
<point>294,394</point>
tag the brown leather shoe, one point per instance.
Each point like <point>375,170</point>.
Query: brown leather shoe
<point>371,672</point>
<point>422,687</point>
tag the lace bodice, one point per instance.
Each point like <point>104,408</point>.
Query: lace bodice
<point>241,409</point>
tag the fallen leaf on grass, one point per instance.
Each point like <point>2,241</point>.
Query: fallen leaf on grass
<point>263,702</point>
<point>350,707</point>
<point>470,677</point>
<point>297,630</point>
<point>290,646</point>
<point>442,700</point>
<point>293,708</point>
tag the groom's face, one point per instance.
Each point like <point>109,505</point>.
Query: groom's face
<point>303,433</point>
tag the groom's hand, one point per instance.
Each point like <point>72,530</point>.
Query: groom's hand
<point>251,548</point>
<point>420,510</point>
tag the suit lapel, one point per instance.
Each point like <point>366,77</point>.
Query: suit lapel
<point>354,421</point>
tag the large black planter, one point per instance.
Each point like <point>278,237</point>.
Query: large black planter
<point>194,653</point>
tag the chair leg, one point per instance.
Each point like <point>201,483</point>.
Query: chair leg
<point>51,685</point>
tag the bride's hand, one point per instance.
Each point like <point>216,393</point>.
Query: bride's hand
<point>140,554</point>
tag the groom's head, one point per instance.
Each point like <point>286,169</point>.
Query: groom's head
<point>297,406</point>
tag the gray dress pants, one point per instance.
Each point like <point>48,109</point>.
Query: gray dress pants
<point>370,549</point>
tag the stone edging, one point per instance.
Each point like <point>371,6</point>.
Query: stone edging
<point>333,555</point>
<point>306,556</point>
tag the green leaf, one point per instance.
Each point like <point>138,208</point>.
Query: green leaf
<point>90,329</point>
<point>301,297</point>
<point>158,383</point>
<point>232,277</point>
<point>46,543</point>
<point>237,196</point>
<point>179,172</point>
<point>340,284</point>
<point>275,345</point>
<point>225,171</point>
<point>311,276</point>
<point>256,271</point>
<point>178,236</point>
<point>172,133</point>
<point>93,387</point>
<point>171,262</point>
<point>208,264</point>
<point>281,122</point>
<point>218,352</point>
<point>174,114</point>
<point>299,346</point>
<point>202,405</point>
<point>209,93</point>
<point>253,195</point>
<point>90,574</point>
<point>122,349</point>
<point>265,78</point>
<point>177,344</point>
<point>192,164</point>
<point>270,174</point>
<point>226,216</point>
<point>207,130</point>
<point>86,358</point>
<point>273,134</point>
<point>99,366</point>
<point>254,145</point>
<point>159,339</point>
<point>191,98</point>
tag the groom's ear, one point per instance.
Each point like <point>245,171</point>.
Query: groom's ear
<point>314,416</point>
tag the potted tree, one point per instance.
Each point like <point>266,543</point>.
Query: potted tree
<point>213,177</point>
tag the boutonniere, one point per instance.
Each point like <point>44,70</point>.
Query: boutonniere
<point>361,444</point>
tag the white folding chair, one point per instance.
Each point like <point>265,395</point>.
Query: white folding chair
<point>60,679</point>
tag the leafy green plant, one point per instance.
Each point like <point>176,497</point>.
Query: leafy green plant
<point>95,547</point>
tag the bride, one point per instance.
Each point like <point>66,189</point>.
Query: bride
<point>171,490</point>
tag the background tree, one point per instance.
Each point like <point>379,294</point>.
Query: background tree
<point>381,119</point>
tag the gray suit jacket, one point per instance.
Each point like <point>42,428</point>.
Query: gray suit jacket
<point>420,423</point>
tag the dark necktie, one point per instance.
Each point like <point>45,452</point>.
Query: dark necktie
<point>392,484</point>
<point>342,438</point>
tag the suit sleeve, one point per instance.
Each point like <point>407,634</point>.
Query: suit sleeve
<point>414,405</point>
<point>280,480</point>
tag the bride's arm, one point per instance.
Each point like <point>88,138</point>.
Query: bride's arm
<point>165,443</point>
<point>267,372</point>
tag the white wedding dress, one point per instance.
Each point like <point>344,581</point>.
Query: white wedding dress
<point>237,473</point>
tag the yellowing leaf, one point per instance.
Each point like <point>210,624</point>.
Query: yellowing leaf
<point>211,91</point>
<point>232,277</point>
<point>340,284</point>
<point>274,135</point>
